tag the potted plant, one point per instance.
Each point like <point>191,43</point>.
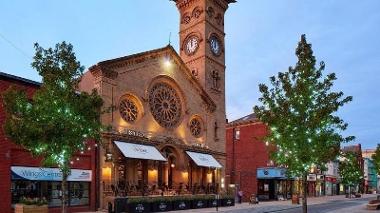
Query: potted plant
<point>212,201</point>
<point>161,204</point>
<point>200,201</point>
<point>139,205</point>
<point>31,205</point>
<point>227,200</point>
<point>181,202</point>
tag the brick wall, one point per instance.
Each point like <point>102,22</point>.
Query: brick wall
<point>250,154</point>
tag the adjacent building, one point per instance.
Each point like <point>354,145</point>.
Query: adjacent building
<point>357,151</point>
<point>21,174</point>
<point>249,167</point>
<point>331,178</point>
<point>370,176</point>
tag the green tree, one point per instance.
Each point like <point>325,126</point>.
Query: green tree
<point>58,121</point>
<point>376,159</point>
<point>299,110</point>
<point>349,170</point>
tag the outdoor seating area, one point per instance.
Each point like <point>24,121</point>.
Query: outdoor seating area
<point>122,189</point>
<point>167,203</point>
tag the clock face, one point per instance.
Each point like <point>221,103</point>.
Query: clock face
<point>191,45</point>
<point>215,45</point>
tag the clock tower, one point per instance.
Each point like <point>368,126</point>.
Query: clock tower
<point>202,48</point>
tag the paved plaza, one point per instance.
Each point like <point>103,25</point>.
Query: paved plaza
<point>325,204</point>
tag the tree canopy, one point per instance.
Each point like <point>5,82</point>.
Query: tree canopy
<point>349,169</point>
<point>58,120</point>
<point>300,111</point>
<point>376,159</point>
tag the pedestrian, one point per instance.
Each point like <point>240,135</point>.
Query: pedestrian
<point>240,196</point>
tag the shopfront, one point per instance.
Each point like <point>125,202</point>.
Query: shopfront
<point>148,169</point>
<point>273,184</point>
<point>331,185</point>
<point>39,182</point>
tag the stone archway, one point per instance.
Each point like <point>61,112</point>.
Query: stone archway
<point>172,174</point>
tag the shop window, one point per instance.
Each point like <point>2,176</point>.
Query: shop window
<point>78,192</point>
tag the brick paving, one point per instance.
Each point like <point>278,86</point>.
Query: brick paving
<point>274,206</point>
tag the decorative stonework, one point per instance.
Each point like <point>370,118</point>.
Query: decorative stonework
<point>210,12</point>
<point>186,18</point>
<point>165,104</point>
<point>215,76</point>
<point>219,19</point>
<point>128,110</point>
<point>197,12</point>
<point>195,126</point>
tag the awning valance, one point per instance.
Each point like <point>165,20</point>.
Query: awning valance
<point>204,160</point>
<point>138,151</point>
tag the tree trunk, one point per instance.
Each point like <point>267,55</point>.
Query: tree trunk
<point>304,198</point>
<point>349,192</point>
<point>65,174</point>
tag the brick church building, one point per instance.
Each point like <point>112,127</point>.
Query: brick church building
<point>170,105</point>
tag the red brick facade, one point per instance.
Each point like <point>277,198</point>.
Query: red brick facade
<point>13,155</point>
<point>249,153</point>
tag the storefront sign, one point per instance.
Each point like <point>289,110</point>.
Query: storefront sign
<point>139,151</point>
<point>48,174</point>
<point>204,160</point>
<point>320,177</point>
<point>265,173</point>
<point>312,177</point>
<point>133,133</point>
<point>331,179</point>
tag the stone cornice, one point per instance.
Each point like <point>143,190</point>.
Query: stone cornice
<point>185,29</point>
<point>186,3</point>
<point>243,123</point>
<point>98,72</point>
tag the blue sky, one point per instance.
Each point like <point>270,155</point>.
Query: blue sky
<point>261,37</point>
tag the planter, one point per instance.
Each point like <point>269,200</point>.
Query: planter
<point>21,208</point>
<point>181,204</point>
<point>139,207</point>
<point>228,202</point>
<point>198,203</point>
<point>161,206</point>
<point>213,203</point>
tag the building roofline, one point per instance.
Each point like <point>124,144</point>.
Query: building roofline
<point>8,76</point>
<point>169,49</point>
<point>247,119</point>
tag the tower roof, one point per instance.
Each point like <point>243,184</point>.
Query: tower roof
<point>228,1</point>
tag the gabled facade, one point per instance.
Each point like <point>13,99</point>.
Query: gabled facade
<point>169,105</point>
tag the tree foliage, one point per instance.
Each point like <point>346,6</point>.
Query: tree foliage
<point>57,121</point>
<point>349,169</point>
<point>376,159</point>
<point>300,112</point>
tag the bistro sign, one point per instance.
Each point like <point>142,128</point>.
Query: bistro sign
<point>48,174</point>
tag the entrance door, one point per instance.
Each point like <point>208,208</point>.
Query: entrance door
<point>271,189</point>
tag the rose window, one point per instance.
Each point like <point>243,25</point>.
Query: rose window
<point>128,110</point>
<point>195,127</point>
<point>165,105</point>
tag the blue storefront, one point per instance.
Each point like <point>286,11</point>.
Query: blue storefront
<point>272,184</point>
